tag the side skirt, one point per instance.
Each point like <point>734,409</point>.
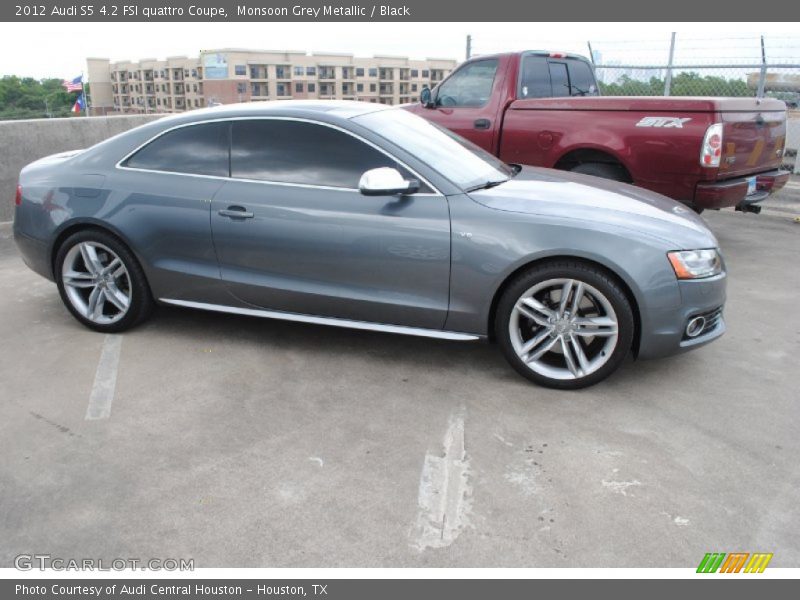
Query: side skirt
<point>285,316</point>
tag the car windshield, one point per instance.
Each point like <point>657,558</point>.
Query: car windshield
<point>457,159</point>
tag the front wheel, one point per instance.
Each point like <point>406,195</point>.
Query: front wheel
<point>564,324</point>
<point>101,282</point>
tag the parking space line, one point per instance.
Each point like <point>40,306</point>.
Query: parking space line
<point>105,379</point>
<point>445,492</point>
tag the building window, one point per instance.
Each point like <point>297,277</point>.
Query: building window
<point>372,87</point>
<point>311,71</point>
<point>312,87</point>
<point>240,69</point>
<point>298,87</point>
<point>360,72</point>
<point>359,87</point>
<point>241,88</point>
<point>282,89</point>
<point>373,72</point>
<point>194,72</point>
<point>194,87</point>
<point>299,71</point>
<point>415,72</point>
<point>425,74</point>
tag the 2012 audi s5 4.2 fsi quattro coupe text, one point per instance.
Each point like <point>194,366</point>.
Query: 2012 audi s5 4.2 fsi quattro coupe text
<point>364,216</point>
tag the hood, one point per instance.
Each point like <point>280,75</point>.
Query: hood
<point>562,194</point>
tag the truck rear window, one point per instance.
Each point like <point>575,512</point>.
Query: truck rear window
<point>543,77</point>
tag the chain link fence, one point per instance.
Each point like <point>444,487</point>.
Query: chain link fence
<point>674,65</point>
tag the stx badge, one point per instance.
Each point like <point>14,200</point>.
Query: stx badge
<point>666,122</point>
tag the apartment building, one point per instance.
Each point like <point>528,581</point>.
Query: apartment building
<point>230,75</point>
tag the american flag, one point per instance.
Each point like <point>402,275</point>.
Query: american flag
<point>76,85</point>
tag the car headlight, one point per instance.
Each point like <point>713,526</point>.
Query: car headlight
<point>695,264</point>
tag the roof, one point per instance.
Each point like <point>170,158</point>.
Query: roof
<point>345,109</point>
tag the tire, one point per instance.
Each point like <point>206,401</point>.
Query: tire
<point>534,331</point>
<point>103,296</point>
<point>604,170</point>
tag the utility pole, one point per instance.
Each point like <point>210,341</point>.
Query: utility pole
<point>668,79</point>
<point>469,46</point>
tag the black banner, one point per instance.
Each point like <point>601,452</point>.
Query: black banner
<point>391,10</point>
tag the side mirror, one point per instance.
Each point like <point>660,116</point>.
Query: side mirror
<point>386,181</point>
<point>426,97</point>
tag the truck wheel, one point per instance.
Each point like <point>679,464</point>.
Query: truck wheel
<point>604,170</point>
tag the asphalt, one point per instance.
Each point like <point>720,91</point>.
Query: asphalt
<point>240,442</point>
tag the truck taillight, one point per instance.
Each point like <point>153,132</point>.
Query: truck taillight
<point>18,197</point>
<point>558,55</point>
<point>711,150</point>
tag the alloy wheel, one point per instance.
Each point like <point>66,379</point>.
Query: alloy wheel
<point>96,282</point>
<point>563,329</point>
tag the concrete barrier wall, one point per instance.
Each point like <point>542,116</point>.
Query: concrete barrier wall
<point>22,142</point>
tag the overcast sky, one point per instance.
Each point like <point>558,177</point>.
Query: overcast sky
<point>59,50</point>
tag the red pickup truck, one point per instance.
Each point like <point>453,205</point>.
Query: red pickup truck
<point>544,109</point>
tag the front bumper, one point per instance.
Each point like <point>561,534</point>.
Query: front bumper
<point>733,192</point>
<point>664,331</point>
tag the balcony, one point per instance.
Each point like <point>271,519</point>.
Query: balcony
<point>327,73</point>
<point>258,90</point>
<point>259,72</point>
<point>283,72</point>
<point>386,74</point>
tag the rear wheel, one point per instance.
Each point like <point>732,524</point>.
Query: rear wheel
<point>604,170</point>
<point>101,283</point>
<point>564,324</point>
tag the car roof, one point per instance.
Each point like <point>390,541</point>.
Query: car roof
<point>343,109</point>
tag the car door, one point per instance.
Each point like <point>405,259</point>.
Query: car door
<point>293,233</point>
<point>165,189</point>
<point>468,102</point>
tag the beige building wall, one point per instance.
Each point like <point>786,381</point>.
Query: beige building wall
<point>231,75</point>
<point>101,96</point>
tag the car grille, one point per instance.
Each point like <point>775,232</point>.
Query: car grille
<point>712,318</point>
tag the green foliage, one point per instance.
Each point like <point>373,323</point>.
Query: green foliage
<point>28,98</point>
<point>683,84</point>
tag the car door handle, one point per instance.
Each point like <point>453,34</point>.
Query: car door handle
<point>236,212</point>
<point>482,123</point>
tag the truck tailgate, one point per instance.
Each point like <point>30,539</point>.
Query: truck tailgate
<point>753,136</point>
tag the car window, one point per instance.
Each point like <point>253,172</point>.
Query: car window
<point>196,149</point>
<point>535,78</point>
<point>470,86</point>
<point>453,157</point>
<point>581,79</point>
<point>303,153</point>
<point>543,78</point>
<point>559,79</point>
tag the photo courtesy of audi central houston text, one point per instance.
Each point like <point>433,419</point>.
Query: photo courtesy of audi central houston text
<point>360,303</point>
<point>365,216</point>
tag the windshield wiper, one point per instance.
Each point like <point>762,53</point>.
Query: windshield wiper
<point>486,185</point>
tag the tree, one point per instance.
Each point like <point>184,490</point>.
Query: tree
<point>684,83</point>
<point>28,98</point>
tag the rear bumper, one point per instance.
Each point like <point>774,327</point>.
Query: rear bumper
<point>733,192</point>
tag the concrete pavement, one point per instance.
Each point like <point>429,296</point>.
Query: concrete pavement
<point>245,442</point>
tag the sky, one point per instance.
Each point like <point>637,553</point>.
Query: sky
<point>54,50</point>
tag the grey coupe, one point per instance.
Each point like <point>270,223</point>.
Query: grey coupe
<point>366,216</point>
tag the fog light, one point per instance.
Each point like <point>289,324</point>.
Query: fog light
<point>695,327</point>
